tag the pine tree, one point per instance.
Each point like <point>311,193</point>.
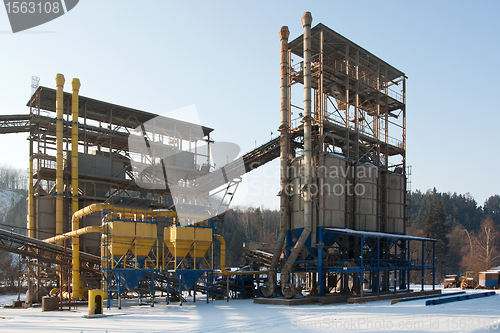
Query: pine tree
<point>257,224</point>
<point>492,209</point>
<point>235,249</point>
<point>436,226</point>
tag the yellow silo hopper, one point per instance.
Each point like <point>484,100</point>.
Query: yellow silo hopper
<point>122,236</point>
<point>146,235</point>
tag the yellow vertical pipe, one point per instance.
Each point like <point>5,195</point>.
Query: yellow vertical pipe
<point>59,155</point>
<point>75,247</point>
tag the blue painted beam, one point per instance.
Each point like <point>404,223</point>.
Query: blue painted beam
<point>458,298</point>
<point>415,298</point>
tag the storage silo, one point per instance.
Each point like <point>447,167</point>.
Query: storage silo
<point>334,191</point>
<point>365,192</point>
<point>395,203</point>
<point>46,216</point>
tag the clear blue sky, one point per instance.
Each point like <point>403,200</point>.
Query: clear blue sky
<point>223,56</point>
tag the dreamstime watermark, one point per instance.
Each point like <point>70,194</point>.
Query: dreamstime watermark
<point>25,15</point>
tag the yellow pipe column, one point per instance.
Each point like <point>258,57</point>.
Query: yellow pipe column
<point>75,247</point>
<point>59,155</point>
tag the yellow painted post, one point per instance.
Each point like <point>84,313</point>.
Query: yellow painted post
<point>75,247</point>
<point>96,299</point>
<point>59,154</point>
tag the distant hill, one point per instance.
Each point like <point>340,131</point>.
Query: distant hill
<point>13,210</point>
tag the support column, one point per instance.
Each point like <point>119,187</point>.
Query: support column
<point>362,273</point>
<point>321,137</point>
<point>268,288</point>
<point>378,266</point>
<point>348,199</point>
<point>31,195</point>
<point>287,288</point>
<point>321,273</point>
<point>75,86</point>
<point>396,266</point>
<point>423,269</point>
<point>59,154</point>
<point>404,159</point>
<point>433,265</point>
<point>409,263</point>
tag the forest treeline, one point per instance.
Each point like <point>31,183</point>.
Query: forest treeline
<point>15,179</point>
<point>468,233</point>
<point>13,219</point>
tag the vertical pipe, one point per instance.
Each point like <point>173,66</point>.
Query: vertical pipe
<point>357,222</point>
<point>59,155</point>
<point>75,247</point>
<point>347,141</point>
<point>306,23</point>
<point>287,288</point>
<point>268,288</point>
<point>321,173</point>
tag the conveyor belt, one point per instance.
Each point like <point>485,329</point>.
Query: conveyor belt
<point>16,123</point>
<point>45,252</point>
<point>251,160</point>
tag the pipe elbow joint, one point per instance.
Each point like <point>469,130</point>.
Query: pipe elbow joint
<point>288,290</point>
<point>267,290</point>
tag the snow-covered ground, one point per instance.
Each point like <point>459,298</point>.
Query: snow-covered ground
<point>244,316</point>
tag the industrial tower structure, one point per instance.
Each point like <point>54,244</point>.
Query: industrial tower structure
<point>343,196</point>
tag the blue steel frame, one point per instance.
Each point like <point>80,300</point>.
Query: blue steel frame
<point>371,263</point>
<point>108,273</point>
<point>210,276</point>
